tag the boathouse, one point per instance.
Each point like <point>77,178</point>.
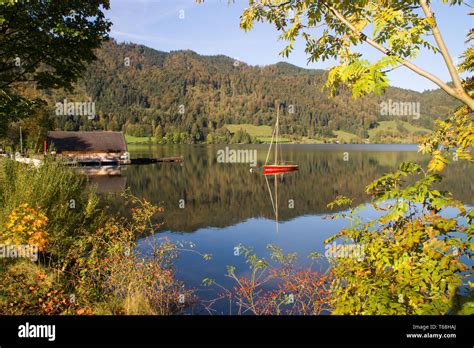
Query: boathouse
<point>89,148</point>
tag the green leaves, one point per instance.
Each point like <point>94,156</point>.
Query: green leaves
<point>207,281</point>
<point>45,46</point>
<point>362,76</point>
<point>14,107</point>
<point>437,162</point>
<point>45,34</point>
<point>333,29</point>
<point>339,201</point>
<point>452,139</point>
<point>413,255</point>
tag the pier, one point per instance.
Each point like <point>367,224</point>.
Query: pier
<point>156,160</point>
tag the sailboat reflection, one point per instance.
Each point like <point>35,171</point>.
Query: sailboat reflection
<point>277,178</point>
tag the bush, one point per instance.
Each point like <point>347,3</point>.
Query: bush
<point>241,137</point>
<point>55,191</point>
<point>98,272</point>
<point>416,256</point>
<point>25,225</point>
<point>113,279</point>
<point>297,291</point>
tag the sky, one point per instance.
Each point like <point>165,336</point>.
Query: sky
<point>212,28</point>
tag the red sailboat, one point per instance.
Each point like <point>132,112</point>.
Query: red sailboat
<point>279,166</point>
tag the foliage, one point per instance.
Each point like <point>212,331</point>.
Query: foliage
<point>333,30</point>
<point>413,254</point>
<point>242,137</point>
<point>49,42</point>
<point>136,130</point>
<point>34,130</point>
<point>25,225</point>
<point>98,273</point>
<point>14,107</point>
<point>467,63</point>
<point>55,191</point>
<point>45,44</point>
<point>453,139</point>
<point>112,276</point>
<point>28,289</point>
<point>295,291</point>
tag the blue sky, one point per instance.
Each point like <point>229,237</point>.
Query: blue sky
<point>213,28</point>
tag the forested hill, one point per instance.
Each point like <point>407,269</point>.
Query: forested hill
<point>147,92</point>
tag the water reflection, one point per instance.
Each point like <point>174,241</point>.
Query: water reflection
<point>273,194</point>
<point>219,194</point>
<point>227,205</point>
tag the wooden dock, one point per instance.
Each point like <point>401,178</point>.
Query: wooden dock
<point>156,160</point>
<point>99,167</point>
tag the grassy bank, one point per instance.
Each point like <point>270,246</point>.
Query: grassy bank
<point>261,133</point>
<point>77,258</point>
<point>386,132</point>
<point>130,139</point>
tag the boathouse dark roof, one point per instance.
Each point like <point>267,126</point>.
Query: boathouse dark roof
<point>87,141</point>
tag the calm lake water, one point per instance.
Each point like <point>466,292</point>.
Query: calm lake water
<point>226,205</point>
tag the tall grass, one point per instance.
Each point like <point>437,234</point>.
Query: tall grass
<point>59,193</point>
<point>89,255</point>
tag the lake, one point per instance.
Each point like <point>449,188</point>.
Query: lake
<point>218,206</point>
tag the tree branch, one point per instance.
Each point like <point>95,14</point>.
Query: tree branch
<point>441,45</point>
<point>455,93</point>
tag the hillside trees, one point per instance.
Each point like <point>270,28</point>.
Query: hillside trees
<point>182,88</point>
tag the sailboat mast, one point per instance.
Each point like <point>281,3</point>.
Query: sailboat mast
<point>277,126</point>
<point>276,202</point>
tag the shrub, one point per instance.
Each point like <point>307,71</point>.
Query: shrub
<point>295,291</point>
<point>62,196</point>
<point>90,255</point>
<point>111,277</point>
<point>25,225</point>
<point>100,272</point>
<point>415,256</point>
